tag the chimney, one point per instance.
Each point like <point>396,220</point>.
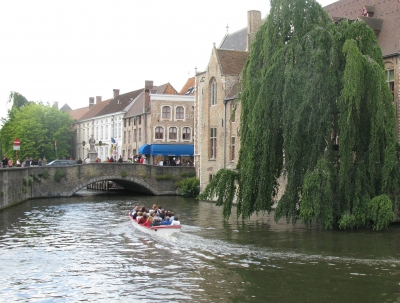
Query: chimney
<point>91,102</point>
<point>55,104</point>
<point>98,99</point>
<point>148,85</point>
<point>115,93</point>
<point>253,24</point>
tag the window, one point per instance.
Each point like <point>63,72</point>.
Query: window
<point>213,143</point>
<point>166,112</point>
<point>124,122</point>
<point>140,134</point>
<point>124,137</point>
<point>134,135</point>
<point>130,121</point>
<point>119,130</point>
<point>134,121</point>
<point>213,91</point>
<point>129,136</point>
<point>186,133</point>
<point>172,133</point>
<point>159,134</point>
<point>106,134</point>
<point>140,120</point>
<point>232,148</point>
<point>97,133</point>
<point>179,112</point>
<point>390,80</point>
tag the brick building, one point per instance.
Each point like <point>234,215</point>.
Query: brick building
<point>216,135</point>
<point>159,125</point>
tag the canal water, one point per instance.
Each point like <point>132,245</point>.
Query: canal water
<point>84,249</point>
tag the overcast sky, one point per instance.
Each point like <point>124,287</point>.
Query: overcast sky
<point>68,51</point>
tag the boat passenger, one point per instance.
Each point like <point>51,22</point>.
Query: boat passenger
<point>171,218</point>
<point>175,221</point>
<point>166,221</point>
<point>149,221</point>
<point>143,219</point>
<point>139,216</point>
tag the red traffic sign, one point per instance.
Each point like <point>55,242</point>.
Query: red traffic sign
<point>17,142</point>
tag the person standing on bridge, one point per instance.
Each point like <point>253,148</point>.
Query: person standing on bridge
<point>4,162</point>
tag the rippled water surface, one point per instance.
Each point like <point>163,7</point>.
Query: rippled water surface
<point>84,249</point>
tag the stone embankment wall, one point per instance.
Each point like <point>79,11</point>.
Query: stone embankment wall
<point>20,184</point>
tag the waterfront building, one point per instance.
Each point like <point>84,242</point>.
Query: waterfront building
<point>159,126</point>
<point>216,123</point>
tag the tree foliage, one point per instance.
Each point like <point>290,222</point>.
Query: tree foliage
<point>309,83</point>
<point>37,126</point>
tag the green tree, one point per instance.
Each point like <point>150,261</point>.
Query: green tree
<point>37,126</point>
<point>307,83</point>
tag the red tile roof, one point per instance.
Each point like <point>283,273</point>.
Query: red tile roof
<point>232,62</point>
<point>188,85</point>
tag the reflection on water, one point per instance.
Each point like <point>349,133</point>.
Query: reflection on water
<point>85,249</point>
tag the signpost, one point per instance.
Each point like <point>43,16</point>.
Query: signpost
<point>17,143</point>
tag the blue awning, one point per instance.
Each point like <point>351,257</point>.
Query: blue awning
<point>172,150</point>
<point>144,149</point>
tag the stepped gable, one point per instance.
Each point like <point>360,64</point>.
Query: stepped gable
<point>382,16</point>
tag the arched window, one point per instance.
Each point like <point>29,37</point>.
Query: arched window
<point>159,134</point>
<point>180,112</point>
<point>172,133</point>
<point>186,133</point>
<point>166,112</point>
<point>213,91</point>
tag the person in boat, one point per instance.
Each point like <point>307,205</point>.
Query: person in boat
<point>139,216</point>
<point>143,219</point>
<point>175,221</point>
<point>149,221</point>
<point>171,217</point>
<point>166,221</point>
<point>157,217</point>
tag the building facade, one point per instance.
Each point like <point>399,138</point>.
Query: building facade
<point>217,143</point>
<point>159,126</point>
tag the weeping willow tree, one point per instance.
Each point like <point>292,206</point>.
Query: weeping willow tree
<point>308,84</point>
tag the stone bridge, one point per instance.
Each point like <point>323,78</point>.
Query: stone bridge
<point>20,184</point>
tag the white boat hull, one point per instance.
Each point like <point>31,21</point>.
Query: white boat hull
<point>157,230</point>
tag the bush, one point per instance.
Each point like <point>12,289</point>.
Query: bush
<point>123,174</point>
<point>163,177</point>
<point>188,175</point>
<point>190,187</point>
<point>27,181</point>
<point>36,177</point>
<point>59,174</point>
<point>380,212</point>
<point>46,174</point>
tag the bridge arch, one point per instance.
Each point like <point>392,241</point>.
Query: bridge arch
<point>132,184</point>
<point>20,184</point>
